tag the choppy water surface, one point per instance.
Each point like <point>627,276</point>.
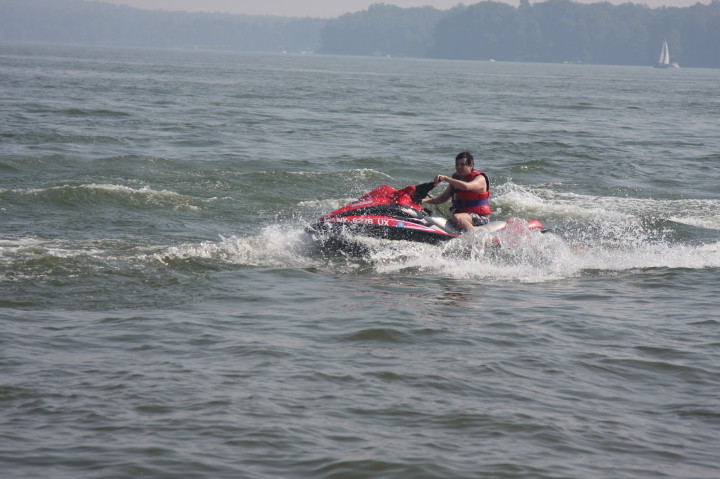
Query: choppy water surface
<point>163,313</point>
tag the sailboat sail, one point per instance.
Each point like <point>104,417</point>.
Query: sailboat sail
<point>664,59</point>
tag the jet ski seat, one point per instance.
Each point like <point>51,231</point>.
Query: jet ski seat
<point>448,227</point>
<point>442,223</point>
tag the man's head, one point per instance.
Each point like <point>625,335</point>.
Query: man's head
<point>464,160</point>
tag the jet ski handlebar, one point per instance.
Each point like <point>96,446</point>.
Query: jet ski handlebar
<point>421,191</point>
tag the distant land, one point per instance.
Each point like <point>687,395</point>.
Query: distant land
<point>331,8</point>
<point>550,31</point>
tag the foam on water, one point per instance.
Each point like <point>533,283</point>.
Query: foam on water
<point>533,257</point>
<point>589,234</point>
<point>550,201</point>
<point>275,246</point>
<point>530,257</point>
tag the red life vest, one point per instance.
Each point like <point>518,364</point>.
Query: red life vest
<point>472,201</point>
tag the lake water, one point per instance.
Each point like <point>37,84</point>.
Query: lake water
<point>163,314</point>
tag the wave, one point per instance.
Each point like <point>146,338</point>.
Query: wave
<point>53,260</point>
<point>57,138</point>
<point>97,112</point>
<point>549,202</point>
<point>531,258</point>
<point>535,257</point>
<point>98,193</point>
<point>589,235</point>
<point>8,168</point>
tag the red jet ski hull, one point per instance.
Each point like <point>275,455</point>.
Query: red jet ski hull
<point>395,215</point>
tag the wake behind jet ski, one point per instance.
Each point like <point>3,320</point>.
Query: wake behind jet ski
<point>388,213</point>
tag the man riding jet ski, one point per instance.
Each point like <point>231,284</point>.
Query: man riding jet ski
<point>469,190</point>
<point>386,212</point>
<point>398,215</point>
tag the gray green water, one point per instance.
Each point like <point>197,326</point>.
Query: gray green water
<point>162,313</point>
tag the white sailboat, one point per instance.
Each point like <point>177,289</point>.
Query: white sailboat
<point>664,60</point>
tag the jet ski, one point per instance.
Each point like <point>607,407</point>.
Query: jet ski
<point>393,214</point>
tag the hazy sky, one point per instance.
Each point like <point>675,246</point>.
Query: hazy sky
<point>329,8</point>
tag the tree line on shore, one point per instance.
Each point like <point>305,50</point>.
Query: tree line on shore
<point>549,31</point>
